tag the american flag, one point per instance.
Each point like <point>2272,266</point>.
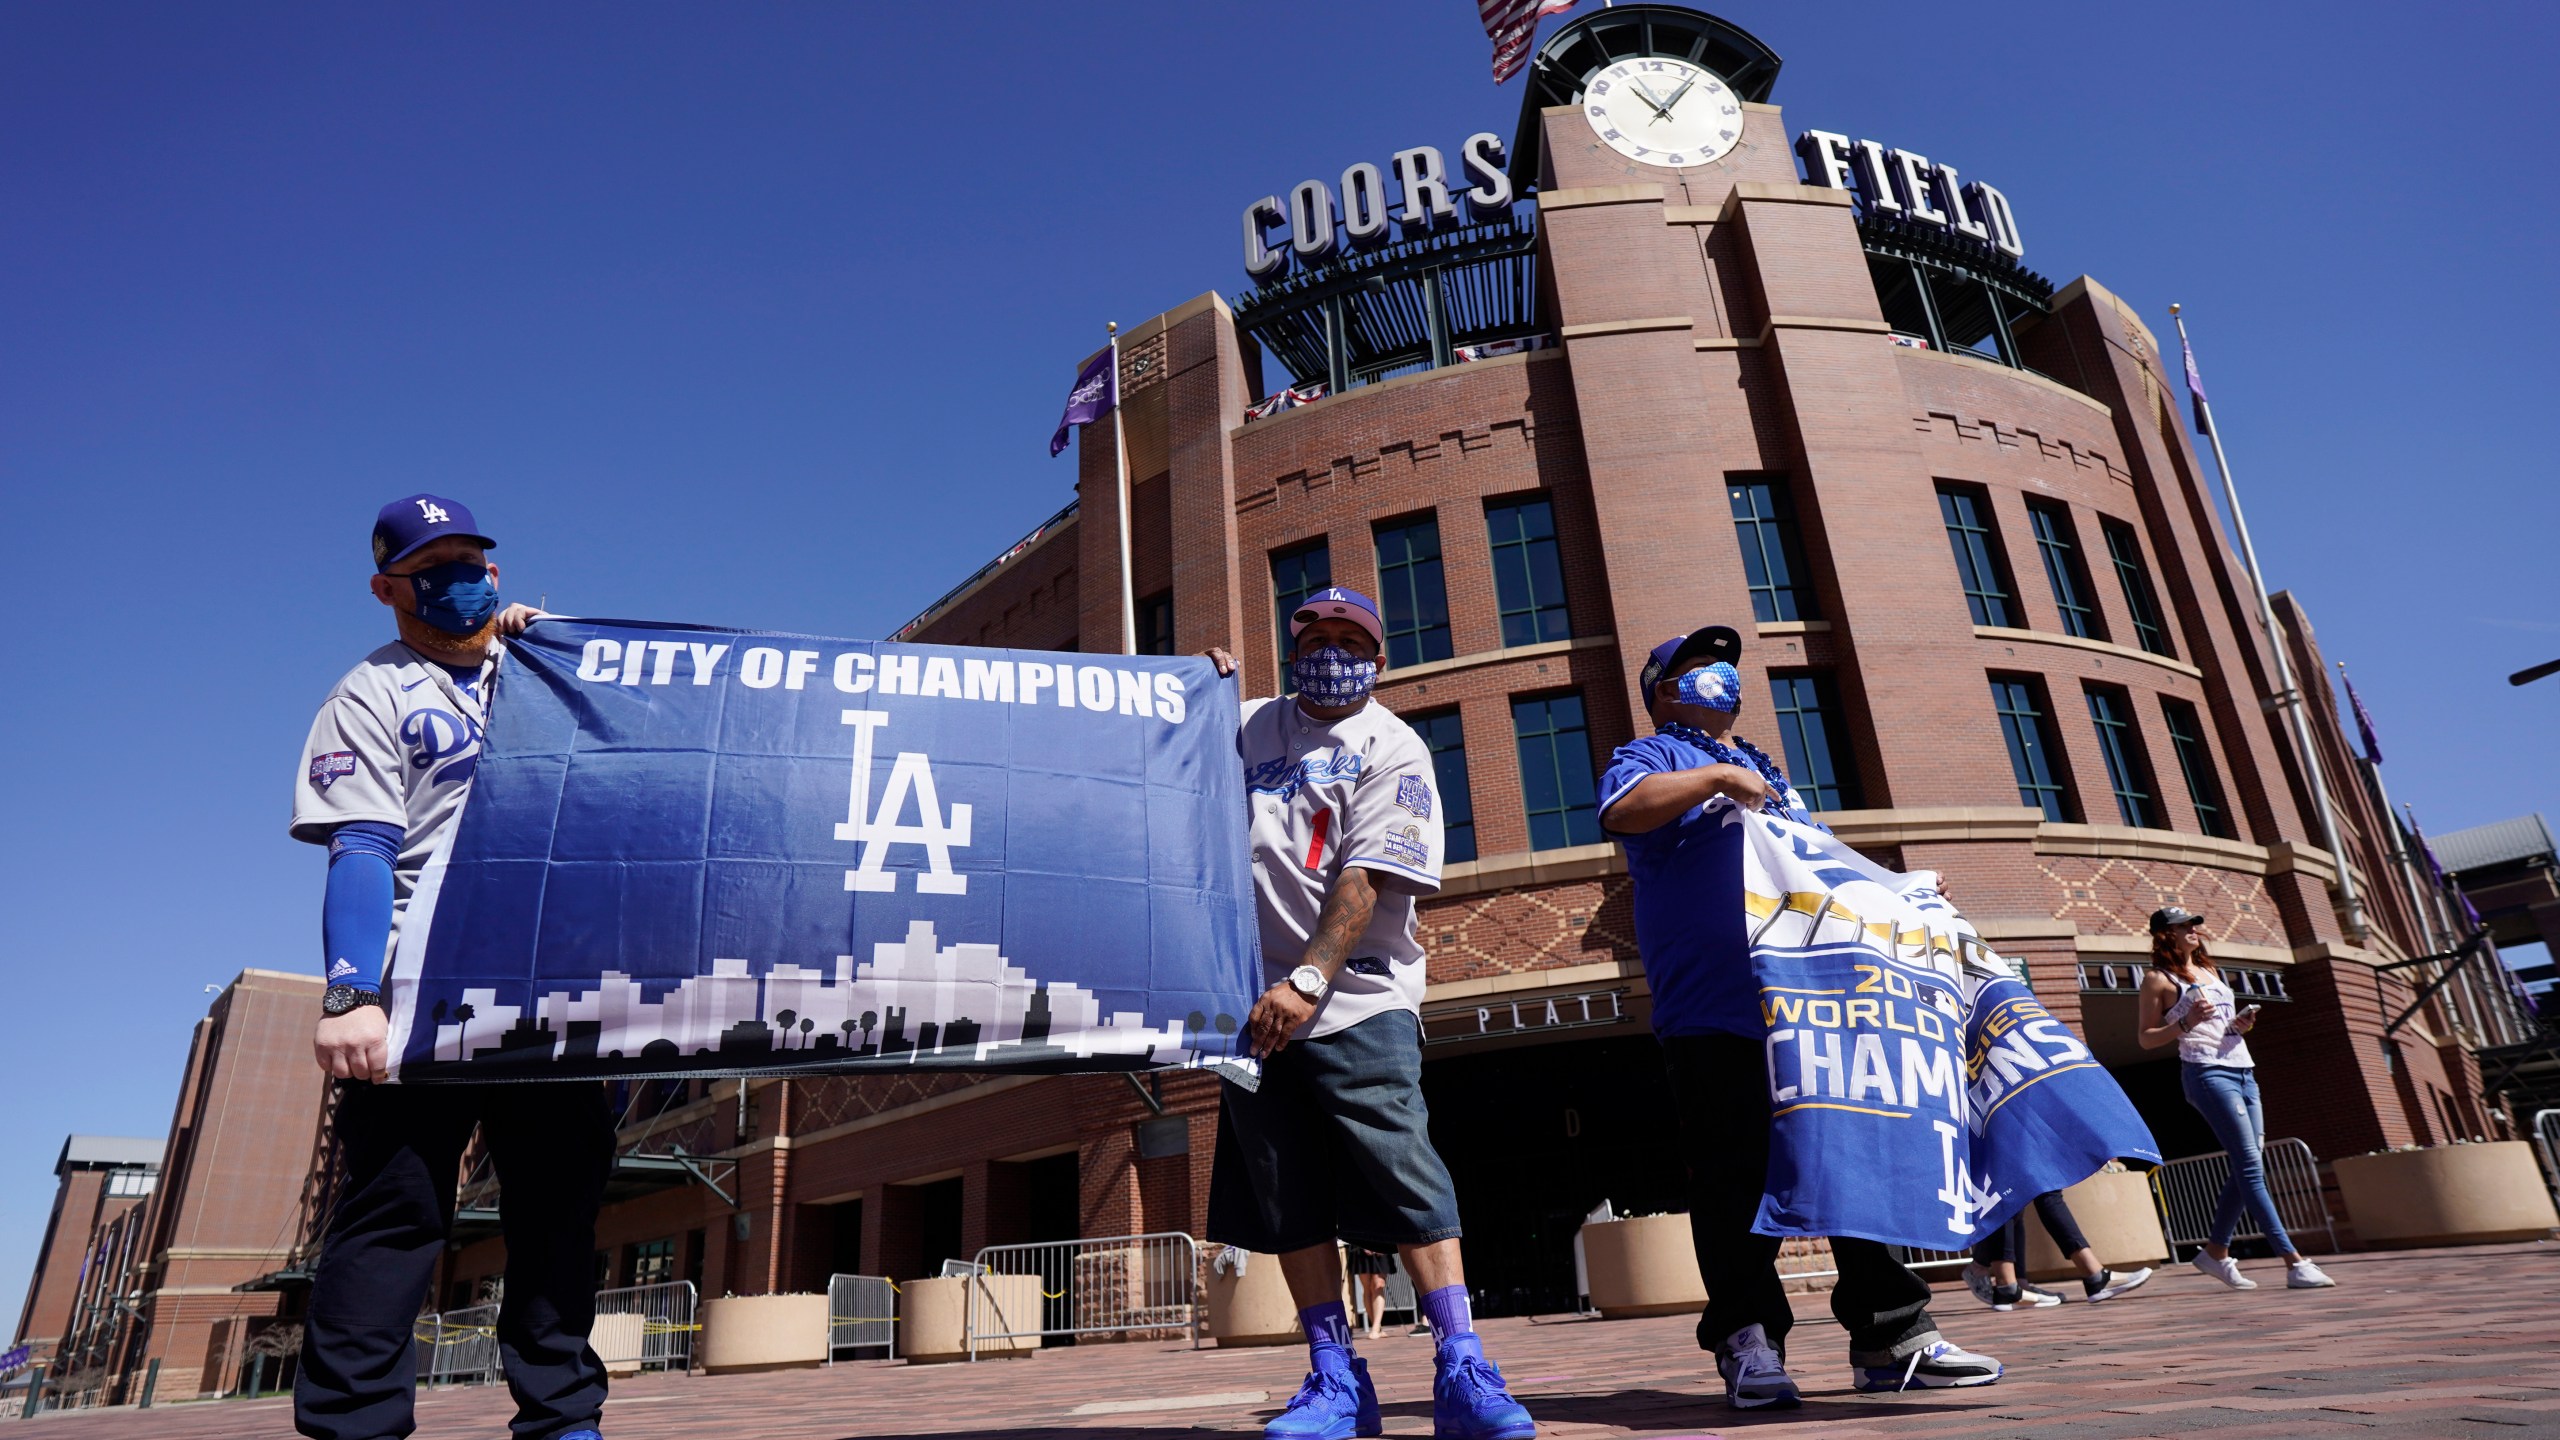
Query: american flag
<point>1513,27</point>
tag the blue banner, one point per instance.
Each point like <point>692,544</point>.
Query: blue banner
<point>1921,1095</point>
<point>694,851</point>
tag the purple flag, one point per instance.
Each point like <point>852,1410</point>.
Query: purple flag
<point>2195,384</point>
<point>1097,390</point>
<point>2364,722</point>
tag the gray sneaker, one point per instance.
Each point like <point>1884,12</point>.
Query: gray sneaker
<point>2226,1270</point>
<point>1755,1378</point>
<point>1938,1365</point>
<point>2036,1296</point>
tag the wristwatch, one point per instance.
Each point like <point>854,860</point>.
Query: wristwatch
<point>339,999</point>
<point>1309,981</point>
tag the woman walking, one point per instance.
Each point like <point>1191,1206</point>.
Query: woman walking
<point>2186,1002</point>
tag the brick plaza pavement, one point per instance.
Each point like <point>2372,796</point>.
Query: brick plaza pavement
<point>2423,1343</point>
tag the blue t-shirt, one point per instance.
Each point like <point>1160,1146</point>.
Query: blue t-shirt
<point>1690,925</point>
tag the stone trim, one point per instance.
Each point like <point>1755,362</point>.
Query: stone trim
<point>2285,857</point>
<point>1692,214</point>
<point>1529,867</point>
<point>1794,627</point>
<point>2055,838</point>
<point>1860,829</point>
<point>2011,636</point>
<point>2113,947</point>
<point>1430,668</point>
<point>1560,977</point>
<point>1599,195</point>
<point>1625,327</point>
<point>2027,927</point>
<point>1822,322</point>
<point>1769,193</point>
<point>1727,342</point>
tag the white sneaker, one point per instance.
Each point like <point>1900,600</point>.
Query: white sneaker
<point>2303,1275</point>
<point>1754,1377</point>
<point>2036,1296</point>
<point>2113,1283</point>
<point>2226,1270</point>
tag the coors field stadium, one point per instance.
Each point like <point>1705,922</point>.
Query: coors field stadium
<point>1555,395</point>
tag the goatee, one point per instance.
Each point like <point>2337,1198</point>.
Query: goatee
<point>444,645</point>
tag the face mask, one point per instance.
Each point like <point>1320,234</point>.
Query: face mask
<point>1330,675</point>
<point>455,597</point>
<point>1717,687</point>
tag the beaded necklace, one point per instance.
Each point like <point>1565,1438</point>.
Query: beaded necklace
<point>1738,751</point>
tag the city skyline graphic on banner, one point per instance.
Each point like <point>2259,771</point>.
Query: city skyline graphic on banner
<point>915,1002</point>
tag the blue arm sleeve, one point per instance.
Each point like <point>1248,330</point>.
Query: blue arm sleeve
<point>355,914</point>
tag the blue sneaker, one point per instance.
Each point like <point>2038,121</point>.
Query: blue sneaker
<point>579,1435</point>
<point>1468,1401</point>
<point>1331,1405</point>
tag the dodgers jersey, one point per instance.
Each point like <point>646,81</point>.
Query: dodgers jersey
<point>1357,792</point>
<point>396,742</point>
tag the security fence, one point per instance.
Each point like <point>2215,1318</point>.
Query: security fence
<point>458,1347</point>
<point>2187,1190</point>
<point>862,1314</point>
<point>2546,1138</point>
<point>664,1330</point>
<point>1800,1258</point>
<point>1120,1287</point>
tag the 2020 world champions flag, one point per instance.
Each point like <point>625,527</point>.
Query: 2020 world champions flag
<point>699,851</point>
<point>1921,1095</point>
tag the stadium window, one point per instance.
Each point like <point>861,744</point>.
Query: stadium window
<point>2120,747</point>
<point>1155,624</point>
<point>1412,592</point>
<point>1772,561</point>
<point>2139,599</point>
<point>1556,786</point>
<point>2033,755</point>
<point>1446,737</point>
<point>1296,573</point>
<point>1528,572</point>
<point>1809,728</point>
<point>2195,761</point>
<point>1967,513</point>
<point>2058,541</point>
<point>125,1183</point>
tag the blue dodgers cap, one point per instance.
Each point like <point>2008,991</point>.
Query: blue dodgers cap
<point>1339,604</point>
<point>1713,642</point>
<point>414,520</point>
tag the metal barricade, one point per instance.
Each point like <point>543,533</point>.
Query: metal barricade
<point>862,1314</point>
<point>2546,1138</point>
<point>2188,1189</point>
<point>667,1323</point>
<point>458,1347</point>
<point>1122,1286</point>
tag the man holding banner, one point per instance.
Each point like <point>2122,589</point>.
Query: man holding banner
<point>384,775</point>
<point>1686,861</point>
<point>1335,1144</point>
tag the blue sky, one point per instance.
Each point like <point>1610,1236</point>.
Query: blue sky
<point>761,315</point>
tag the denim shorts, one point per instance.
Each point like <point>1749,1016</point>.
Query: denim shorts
<point>1335,1145</point>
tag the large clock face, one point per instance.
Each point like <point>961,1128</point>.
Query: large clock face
<point>1663,112</point>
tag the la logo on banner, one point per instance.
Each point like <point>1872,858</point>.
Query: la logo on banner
<point>875,832</point>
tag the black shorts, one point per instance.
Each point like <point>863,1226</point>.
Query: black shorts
<point>1335,1145</point>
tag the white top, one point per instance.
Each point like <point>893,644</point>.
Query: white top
<point>2213,1042</point>
<point>1359,791</point>
<point>396,742</point>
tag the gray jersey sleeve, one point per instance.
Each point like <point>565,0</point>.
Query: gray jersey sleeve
<point>350,771</point>
<point>1393,829</point>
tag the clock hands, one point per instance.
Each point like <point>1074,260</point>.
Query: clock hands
<point>1661,111</point>
<point>1676,94</point>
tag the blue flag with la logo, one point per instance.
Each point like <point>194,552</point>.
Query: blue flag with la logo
<point>694,851</point>
<point>1920,1094</point>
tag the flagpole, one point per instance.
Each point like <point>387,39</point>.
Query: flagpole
<point>2288,697</point>
<point>2400,853</point>
<point>1120,457</point>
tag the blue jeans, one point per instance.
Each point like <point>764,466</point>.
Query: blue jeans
<point>2227,1097</point>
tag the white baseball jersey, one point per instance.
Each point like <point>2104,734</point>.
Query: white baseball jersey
<point>396,743</point>
<point>1359,791</point>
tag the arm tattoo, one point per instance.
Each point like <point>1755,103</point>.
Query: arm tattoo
<point>1347,908</point>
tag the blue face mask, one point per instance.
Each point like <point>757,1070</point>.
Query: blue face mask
<point>1717,687</point>
<point>455,597</point>
<point>1330,675</point>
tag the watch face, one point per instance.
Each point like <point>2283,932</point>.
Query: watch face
<point>1663,112</point>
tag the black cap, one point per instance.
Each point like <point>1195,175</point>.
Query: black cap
<point>1713,642</point>
<point>2172,917</point>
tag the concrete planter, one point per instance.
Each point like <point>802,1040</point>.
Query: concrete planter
<point>742,1334</point>
<point>2447,1195</point>
<point>1251,1309</point>
<point>2116,1213</point>
<point>1646,1266</point>
<point>617,1341</point>
<point>933,1316</point>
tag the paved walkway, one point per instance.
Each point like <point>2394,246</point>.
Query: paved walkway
<point>2429,1343</point>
